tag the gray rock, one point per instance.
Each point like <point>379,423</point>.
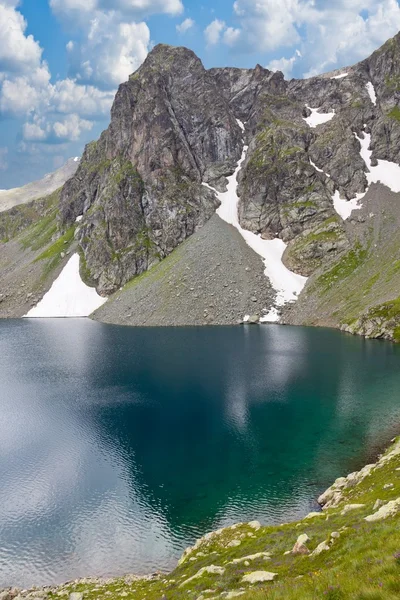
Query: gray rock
<point>253,319</point>
<point>300,546</point>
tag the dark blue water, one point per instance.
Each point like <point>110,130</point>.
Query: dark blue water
<point>119,447</point>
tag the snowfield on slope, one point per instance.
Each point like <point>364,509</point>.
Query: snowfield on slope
<point>68,296</point>
<point>317,118</point>
<point>344,207</point>
<point>386,172</point>
<point>288,285</point>
<point>371,92</point>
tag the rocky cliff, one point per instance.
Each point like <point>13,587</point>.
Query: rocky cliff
<point>317,177</point>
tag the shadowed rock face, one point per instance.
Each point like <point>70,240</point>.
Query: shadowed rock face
<point>173,126</point>
<point>139,186</point>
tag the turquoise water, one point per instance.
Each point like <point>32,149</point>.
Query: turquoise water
<point>119,447</point>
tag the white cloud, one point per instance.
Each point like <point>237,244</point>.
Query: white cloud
<point>329,34</point>
<point>60,112</point>
<point>185,25</point>
<point>342,36</point>
<point>3,159</point>
<point>82,9</point>
<point>231,36</point>
<point>285,64</point>
<point>67,130</point>
<point>111,52</point>
<point>18,52</point>
<point>267,24</point>
<point>86,100</point>
<point>213,32</point>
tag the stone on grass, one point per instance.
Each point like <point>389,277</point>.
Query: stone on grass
<point>263,555</point>
<point>335,535</point>
<point>233,595</point>
<point>311,515</point>
<point>300,546</point>
<point>233,544</point>
<point>387,510</point>
<point>378,504</point>
<point>349,507</point>
<point>76,596</point>
<point>254,525</point>
<point>259,576</point>
<point>211,570</point>
<point>322,547</point>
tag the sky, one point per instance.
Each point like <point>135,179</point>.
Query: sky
<point>61,61</point>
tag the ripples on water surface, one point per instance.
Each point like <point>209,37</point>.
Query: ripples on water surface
<point>119,447</point>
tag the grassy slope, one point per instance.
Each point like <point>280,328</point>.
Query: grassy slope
<point>32,253</point>
<point>362,279</point>
<point>362,564</point>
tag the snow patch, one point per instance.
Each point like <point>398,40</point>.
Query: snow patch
<point>344,208</point>
<point>78,219</point>
<point>317,118</point>
<point>240,123</point>
<point>68,296</point>
<point>318,169</point>
<point>386,172</point>
<point>76,159</point>
<point>341,76</point>
<point>271,317</point>
<point>287,284</point>
<point>371,92</point>
<point>246,318</point>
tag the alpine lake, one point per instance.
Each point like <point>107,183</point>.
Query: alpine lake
<point>121,446</point>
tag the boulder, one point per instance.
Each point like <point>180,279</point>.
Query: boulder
<point>211,570</point>
<point>263,555</point>
<point>390,509</point>
<point>349,507</point>
<point>322,547</point>
<point>259,576</point>
<point>300,546</point>
<point>253,319</point>
<point>233,543</point>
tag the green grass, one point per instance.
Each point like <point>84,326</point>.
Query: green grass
<point>41,233</point>
<point>362,564</point>
<point>52,254</point>
<point>345,267</point>
<point>395,113</point>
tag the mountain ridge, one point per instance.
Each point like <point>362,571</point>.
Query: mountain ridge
<point>45,186</point>
<point>175,126</point>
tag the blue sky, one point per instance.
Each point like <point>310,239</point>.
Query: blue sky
<point>61,60</point>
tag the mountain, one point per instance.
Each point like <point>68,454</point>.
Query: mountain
<point>305,172</point>
<point>38,189</point>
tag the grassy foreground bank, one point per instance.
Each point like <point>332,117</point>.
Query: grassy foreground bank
<point>349,550</point>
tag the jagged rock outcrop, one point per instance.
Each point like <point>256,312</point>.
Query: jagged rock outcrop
<point>139,187</point>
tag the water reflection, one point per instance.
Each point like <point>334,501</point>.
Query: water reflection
<point>118,447</point>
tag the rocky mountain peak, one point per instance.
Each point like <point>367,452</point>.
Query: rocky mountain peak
<point>174,126</point>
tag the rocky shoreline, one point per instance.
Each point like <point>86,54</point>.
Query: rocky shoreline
<point>338,495</point>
